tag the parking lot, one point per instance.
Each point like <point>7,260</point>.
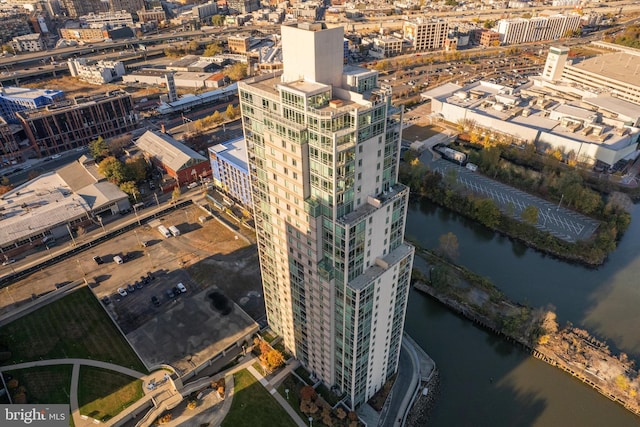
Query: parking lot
<point>563,223</point>
<point>184,329</point>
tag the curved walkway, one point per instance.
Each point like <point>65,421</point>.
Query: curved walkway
<point>163,389</point>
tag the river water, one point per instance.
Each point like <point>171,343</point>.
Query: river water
<point>486,381</point>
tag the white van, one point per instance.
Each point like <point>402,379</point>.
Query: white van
<point>164,231</point>
<point>118,259</point>
<point>174,230</point>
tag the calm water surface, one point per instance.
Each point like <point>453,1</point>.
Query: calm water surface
<point>488,382</point>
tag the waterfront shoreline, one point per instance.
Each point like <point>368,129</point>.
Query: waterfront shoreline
<point>571,349</point>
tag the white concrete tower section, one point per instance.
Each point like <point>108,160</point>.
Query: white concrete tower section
<point>556,59</point>
<point>329,212</point>
<point>312,53</point>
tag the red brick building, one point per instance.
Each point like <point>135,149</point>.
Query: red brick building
<point>176,159</point>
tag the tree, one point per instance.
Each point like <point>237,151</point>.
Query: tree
<point>231,112</point>
<point>448,245</point>
<point>113,170</point>
<point>175,195</point>
<point>217,117</point>
<point>131,189</point>
<point>217,20</point>
<point>530,215</point>
<point>136,168</point>
<point>308,393</point>
<point>487,212</point>
<point>273,359</point>
<point>237,71</point>
<point>489,24</point>
<point>98,149</point>
<point>8,48</point>
<point>193,46</point>
<point>212,49</point>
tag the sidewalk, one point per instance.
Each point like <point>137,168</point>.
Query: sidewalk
<point>163,390</point>
<point>271,389</point>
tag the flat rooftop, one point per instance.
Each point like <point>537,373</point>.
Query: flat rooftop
<point>619,66</point>
<point>27,93</point>
<point>235,151</point>
<point>190,333</point>
<point>40,204</point>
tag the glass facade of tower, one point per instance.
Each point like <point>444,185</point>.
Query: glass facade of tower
<point>330,220</point>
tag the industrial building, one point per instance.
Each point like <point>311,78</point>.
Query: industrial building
<point>57,204</point>
<point>71,124</point>
<point>178,161</point>
<point>540,115</point>
<point>329,212</point>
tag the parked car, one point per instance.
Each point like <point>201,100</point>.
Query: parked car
<point>170,293</point>
<point>145,280</point>
<point>122,292</point>
<point>138,284</point>
<point>61,284</point>
<point>9,261</point>
<point>181,288</point>
<point>98,260</point>
<point>150,275</point>
<point>130,288</point>
<point>155,301</point>
<point>118,259</point>
<point>106,300</point>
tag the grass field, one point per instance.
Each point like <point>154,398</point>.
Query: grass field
<point>102,394</point>
<point>253,406</point>
<point>73,326</point>
<point>293,384</point>
<point>48,385</point>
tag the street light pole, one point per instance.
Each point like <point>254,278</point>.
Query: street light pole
<point>101,224</point>
<point>310,421</point>
<point>71,234</point>
<point>136,212</point>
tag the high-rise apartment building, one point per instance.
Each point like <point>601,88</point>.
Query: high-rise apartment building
<point>520,30</point>
<point>323,146</point>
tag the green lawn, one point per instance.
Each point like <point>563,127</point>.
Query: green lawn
<point>48,385</point>
<point>73,326</point>
<point>253,406</point>
<point>102,394</point>
<point>293,384</point>
<point>302,373</point>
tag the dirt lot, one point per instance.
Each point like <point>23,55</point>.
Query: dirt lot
<point>420,132</point>
<point>205,257</point>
